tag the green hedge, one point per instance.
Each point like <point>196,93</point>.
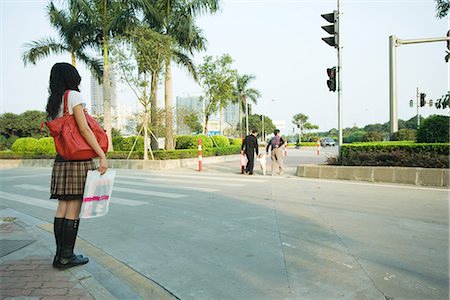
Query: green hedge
<point>403,154</point>
<point>125,143</point>
<point>220,141</point>
<point>177,154</point>
<point>191,141</point>
<point>23,145</point>
<point>46,146</point>
<point>235,141</point>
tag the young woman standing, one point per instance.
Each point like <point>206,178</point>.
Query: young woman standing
<point>69,177</point>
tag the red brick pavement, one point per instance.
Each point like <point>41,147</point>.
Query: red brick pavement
<point>34,277</point>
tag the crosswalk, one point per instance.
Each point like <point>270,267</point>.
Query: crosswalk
<point>129,189</point>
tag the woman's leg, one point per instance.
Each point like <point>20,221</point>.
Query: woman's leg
<point>69,235</point>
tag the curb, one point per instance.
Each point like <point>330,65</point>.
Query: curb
<point>125,163</point>
<point>402,175</point>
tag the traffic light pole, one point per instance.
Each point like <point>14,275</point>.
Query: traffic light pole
<point>418,100</point>
<point>339,75</point>
<point>394,42</point>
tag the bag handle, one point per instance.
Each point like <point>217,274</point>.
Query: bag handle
<point>66,105</point>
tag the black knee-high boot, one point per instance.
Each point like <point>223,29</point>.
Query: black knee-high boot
<point>67,258</point>
<point>57,230</point>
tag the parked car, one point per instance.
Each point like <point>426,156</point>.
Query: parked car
<point>327,142</point>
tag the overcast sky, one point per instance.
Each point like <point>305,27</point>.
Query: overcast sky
<point>280,43</point>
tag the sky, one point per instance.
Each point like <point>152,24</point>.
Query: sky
<point>280,43</point>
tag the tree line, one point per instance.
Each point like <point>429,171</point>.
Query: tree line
<point>141,39</point>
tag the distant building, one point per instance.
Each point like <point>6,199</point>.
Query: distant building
<point>188,104</point>
<point>97,96</point>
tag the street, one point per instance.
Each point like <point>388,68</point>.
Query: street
<point>218,234</point>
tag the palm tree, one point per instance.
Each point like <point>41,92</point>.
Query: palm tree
<point>242,93</point>
<point>176,19</point>
<point>108,19</point>
<point>75,36</point>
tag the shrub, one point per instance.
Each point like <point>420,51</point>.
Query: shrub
<point>355,137</point>
<point>404,135</point>
<point>23,145</point>
<point>236,141</point>
<point>191,141</point>
<point>220,141</point>
<point>373,136</point>
<point>46,146</point>
<point>405,154</point>
<point>117,142</point>
<point>6,143</point>
<point>434,129</point>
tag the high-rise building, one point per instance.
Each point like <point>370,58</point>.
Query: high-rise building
<point>185,105</point>
<point>97,96</point>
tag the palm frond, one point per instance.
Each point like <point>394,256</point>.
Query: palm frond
<point>41,49</point>
<point>94,64</point>
<point>185,61</point>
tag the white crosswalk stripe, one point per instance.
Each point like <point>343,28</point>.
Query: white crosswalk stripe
<point>156,185</point>
<point>199,177</point>
<point>198,182</point>
<point>28,200</point>
<point>149,193</point>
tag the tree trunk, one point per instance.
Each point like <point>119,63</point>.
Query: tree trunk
<point>153,109</point>
<point>220,121</point>
<point>146,113</point>
<point>74,63</point>
<point>240,116</point>
<point>107,95</point>
<point>246,116</point>
<point>168,105</point>
<point>206,125</point>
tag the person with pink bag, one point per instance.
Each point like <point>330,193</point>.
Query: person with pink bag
<point>69,176</point>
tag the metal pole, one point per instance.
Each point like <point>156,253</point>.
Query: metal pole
<point>393,43</point>
<point>393,85</point>
<point>339,61</point>
<point>417,101</point>
<point>262,135</point>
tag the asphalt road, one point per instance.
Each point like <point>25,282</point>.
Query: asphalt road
<point>221,235</point>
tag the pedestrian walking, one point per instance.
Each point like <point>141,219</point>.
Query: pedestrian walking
<point>250,147</point>
<point>68,176</point>
<point>276,155</point>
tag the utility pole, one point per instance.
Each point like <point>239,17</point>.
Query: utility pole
<point>395,42</point>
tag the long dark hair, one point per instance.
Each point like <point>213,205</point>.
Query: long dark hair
<point>63,76</point>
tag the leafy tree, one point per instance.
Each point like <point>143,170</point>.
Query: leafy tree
<point>30,122</point>
<point>442,8</point>
<point>192,121</point>
<point>9,125</point>
<point>217,81</point>
<point>176,19</point>
<point>405,135</point>
<point>75,37</point>
<point>434,129</point>
<point>242,94</point>
<point>148,50</point>
<point>301,121</point>
<point>108,20</point>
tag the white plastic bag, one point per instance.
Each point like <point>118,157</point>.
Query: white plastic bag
<point>97,194</point>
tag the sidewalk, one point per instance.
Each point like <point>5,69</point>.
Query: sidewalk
<point>26,272</point>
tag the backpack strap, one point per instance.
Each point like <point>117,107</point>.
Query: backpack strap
<point>66,104</point>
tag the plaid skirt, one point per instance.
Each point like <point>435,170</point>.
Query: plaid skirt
<point>68,179</point>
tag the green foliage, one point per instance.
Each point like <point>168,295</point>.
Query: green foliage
<point>220,141</point>
<point>217,81</point>
<point>7,142</point>
<point>354,137</point>
<point>373,136</point>
<point>236,141</point>
<point>405,154</point>
<point>191,141</point>
<point>434,129</point>
<point>404,135</point>
<point>23,145</point>
<point>126,143</point>
<point>46,146</point>
<point>192,121</point>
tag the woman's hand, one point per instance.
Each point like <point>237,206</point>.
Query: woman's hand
<point>103,166</point>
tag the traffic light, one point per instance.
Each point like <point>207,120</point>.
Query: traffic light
<point>422,99</point>
<point>448,47</point>
<point>331,82</point>
<point>332,18</point>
